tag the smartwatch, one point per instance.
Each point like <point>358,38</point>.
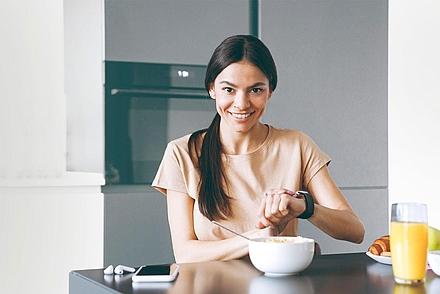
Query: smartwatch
<point>310,204</point>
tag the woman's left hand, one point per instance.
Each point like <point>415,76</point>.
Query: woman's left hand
<point>278,207</point>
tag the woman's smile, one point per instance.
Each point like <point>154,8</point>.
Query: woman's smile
<point>241,116</point>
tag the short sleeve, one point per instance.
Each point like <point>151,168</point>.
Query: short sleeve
<point>313,159</point>
<point>169,176</point>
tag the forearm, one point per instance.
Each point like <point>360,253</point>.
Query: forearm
<point>189,251</point>
<point>199,251</point>
<point>340,224</point>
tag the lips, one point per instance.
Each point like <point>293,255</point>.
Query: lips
<point>241,115</point>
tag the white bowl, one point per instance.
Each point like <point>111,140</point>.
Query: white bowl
<point>434,261</point>
<point>281,256</point>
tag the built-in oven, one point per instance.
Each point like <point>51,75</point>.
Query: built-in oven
<point>146,106</point>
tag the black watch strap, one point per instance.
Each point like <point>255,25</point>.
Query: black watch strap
<point>310,205</point>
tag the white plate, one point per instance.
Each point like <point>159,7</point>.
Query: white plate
<point>386,259</point>
<point>378,258</point>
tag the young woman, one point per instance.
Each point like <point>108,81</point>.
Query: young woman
<point>243,173</point>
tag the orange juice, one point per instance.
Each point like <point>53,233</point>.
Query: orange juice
<point>409,248</point>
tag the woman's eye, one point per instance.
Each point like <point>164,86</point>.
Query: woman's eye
<point>256,90</point>
<point>228,89</point>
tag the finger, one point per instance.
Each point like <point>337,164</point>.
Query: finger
<point>264,222</point>
<point>284,204</point>
<point>268,206</point>
<point>275,204</point>
<point>277,191</point>
<point>281,191</point>
<point>260,225</point>
<point>262,206</point>
<point>272,202</point>
<point>285,191</point>
<point>273,219</point>
<point>289,192</point>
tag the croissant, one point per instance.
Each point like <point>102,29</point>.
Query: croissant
<point>381,246</point>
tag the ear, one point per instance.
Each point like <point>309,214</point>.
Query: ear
<point>212,92</point>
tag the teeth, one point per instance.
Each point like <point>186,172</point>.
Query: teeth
<point>241,115</point>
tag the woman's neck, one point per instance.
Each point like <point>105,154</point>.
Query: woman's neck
<point>235,143</point>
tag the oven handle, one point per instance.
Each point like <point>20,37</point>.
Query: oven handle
<point>161,93</point>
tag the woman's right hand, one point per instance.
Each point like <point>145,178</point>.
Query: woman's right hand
<point>278,207</point>
<point>263,233</point>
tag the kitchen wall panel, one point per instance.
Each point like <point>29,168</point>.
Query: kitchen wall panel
<point>332,65</point>
<point>136,228</point>
<point>371,205</point>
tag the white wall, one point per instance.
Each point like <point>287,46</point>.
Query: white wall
<point>51,219</point>
<point>32,112</point>
<point>414,103</point>
<point>84,51</point>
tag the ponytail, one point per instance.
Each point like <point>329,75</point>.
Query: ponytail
<point>206,151</point>
<point>214,203</point>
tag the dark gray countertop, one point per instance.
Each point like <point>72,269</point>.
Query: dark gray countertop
<point>337,273</point>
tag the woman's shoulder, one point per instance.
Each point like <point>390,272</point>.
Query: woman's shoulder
<point>292,138</point>
<point>289,134</point>
<point>181,143</point>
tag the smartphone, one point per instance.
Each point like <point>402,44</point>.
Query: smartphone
<point>156,273</point>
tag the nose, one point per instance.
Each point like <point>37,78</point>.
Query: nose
<point>241,100</point>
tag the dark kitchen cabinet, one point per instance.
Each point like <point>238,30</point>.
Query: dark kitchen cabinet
<point>170,31</point>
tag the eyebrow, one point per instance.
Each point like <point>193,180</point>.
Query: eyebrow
<point>252,86</point>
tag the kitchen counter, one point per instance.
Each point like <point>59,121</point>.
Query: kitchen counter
<point>337,273</point>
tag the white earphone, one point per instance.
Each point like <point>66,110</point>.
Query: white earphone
<point>118,270</point>
<point>109,270</point>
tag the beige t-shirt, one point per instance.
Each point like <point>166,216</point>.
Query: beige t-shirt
<point>287,159</point>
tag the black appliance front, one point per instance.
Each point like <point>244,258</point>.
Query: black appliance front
<point>146,105</point>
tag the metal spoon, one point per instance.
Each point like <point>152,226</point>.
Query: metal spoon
<point>227,229</point>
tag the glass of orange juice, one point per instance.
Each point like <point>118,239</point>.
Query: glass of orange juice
<point>409,242</point>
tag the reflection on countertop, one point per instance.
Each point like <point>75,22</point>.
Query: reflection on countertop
<point>236,276</point>
<point>339,273</point>
<point>225,277</point>
<point>281,285</point>
<point>381,275</point>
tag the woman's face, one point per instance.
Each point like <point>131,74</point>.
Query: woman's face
<point>241,92</point>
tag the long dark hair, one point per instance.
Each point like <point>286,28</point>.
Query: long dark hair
<point>214,202</point>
